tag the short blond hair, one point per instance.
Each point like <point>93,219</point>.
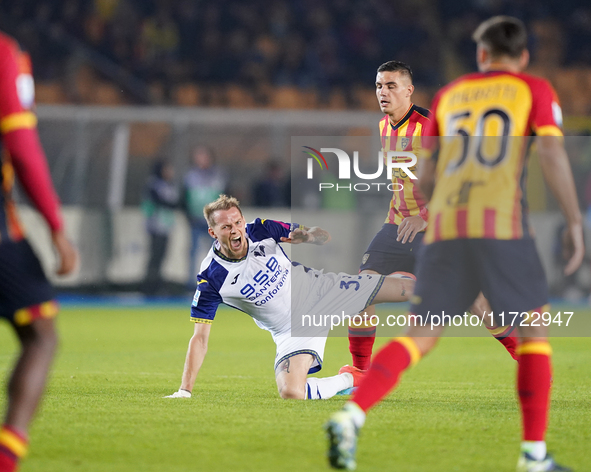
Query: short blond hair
<point>222,203</point>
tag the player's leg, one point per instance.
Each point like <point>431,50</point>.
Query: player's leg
<point>391,361</point>
<point>534,379</point>
<point>394,289</point>
<point>384,255</point>
<point>26,301</point>
<point>514,280</point>
<point>27,382</point>
<point>291,375</point>
<point>383,375</point>
<point>445,282</point>
<point>362,338</point>
<point>25,387</point>
<point>506,335</point>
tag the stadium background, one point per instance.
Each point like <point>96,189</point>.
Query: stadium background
<point>121,83</point>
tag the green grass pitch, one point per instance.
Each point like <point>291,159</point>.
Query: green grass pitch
<point>104,411</point>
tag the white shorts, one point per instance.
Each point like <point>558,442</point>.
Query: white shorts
<point>328,294</point>
<point>287,347</point>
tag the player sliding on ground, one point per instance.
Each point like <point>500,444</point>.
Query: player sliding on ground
<point>247,256</point>
<point>478,237</point>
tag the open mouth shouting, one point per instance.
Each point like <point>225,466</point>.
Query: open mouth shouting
<point>236,243</point>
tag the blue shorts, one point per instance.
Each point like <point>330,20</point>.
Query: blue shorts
<point>25,292</point>
<point>450,274</point>
<point>386,255</point>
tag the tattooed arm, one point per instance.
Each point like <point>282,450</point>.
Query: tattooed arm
<point>314,235</point>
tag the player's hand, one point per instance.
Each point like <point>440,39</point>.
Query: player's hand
<point>67,253</point>
<point>298,236</point>
<point>573,247</point>
<point>180,394</point>
<point>409,227</point>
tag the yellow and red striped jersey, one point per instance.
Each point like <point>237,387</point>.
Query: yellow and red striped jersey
<point>405,135</point>
<point>480,173</point>
<point>21,154</point>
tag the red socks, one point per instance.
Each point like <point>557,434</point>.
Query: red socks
<point>533,380</point>
<point>13,446</point>
<point>361,346</point>
<point>533,387</point>
<point>385,370</point>
<point>505,335</point>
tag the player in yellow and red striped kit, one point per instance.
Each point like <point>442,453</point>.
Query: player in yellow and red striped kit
<point>478,236</point>
<point>26,297</point>
<point>395,247</point>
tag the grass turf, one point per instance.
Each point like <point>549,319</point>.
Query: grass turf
<point>104,411</point>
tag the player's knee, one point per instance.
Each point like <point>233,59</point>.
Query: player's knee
<point>292,392</point>
<point>47,341</point>
<point>50,340</point>
<point>41,334</point>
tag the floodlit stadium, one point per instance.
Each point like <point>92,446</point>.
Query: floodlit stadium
<point>148,111</point>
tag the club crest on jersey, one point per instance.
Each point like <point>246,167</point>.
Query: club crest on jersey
<point>404,142</point>
<point>259,251</point>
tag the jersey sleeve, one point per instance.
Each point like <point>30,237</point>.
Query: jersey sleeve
<point>205,302</point>
<point>261,229</point>
<point>19,133</point>
<point>17,90</point>
<point>431,133</point>
<point>546,113</point>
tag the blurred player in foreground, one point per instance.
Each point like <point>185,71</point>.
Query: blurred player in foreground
<point>478,236</point>
<point>247,269</point>
<point>395,247</point>
<point>26,297</point>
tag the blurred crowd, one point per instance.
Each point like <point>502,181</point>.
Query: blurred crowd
<point>317,44</point>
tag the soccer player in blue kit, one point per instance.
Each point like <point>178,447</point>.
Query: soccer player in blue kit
<point>247,269</point>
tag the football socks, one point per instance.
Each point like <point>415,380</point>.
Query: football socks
<point>385,371</point>
<point>321,389</point>
<point>13,446</point>
<point>361,342</point>
<point>506,336</point>
<point>533,387</point>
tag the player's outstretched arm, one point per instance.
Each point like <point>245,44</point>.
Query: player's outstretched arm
<point>559,177</point>
<point>194,360</point>
<point>314,235</point>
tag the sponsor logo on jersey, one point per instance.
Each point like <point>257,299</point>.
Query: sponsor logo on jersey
<point>557,113</point>
<point>25,89</point>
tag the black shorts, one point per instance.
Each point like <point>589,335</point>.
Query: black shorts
<point>386,255</point>
<point>25,292</point>
<point>450,274</point>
